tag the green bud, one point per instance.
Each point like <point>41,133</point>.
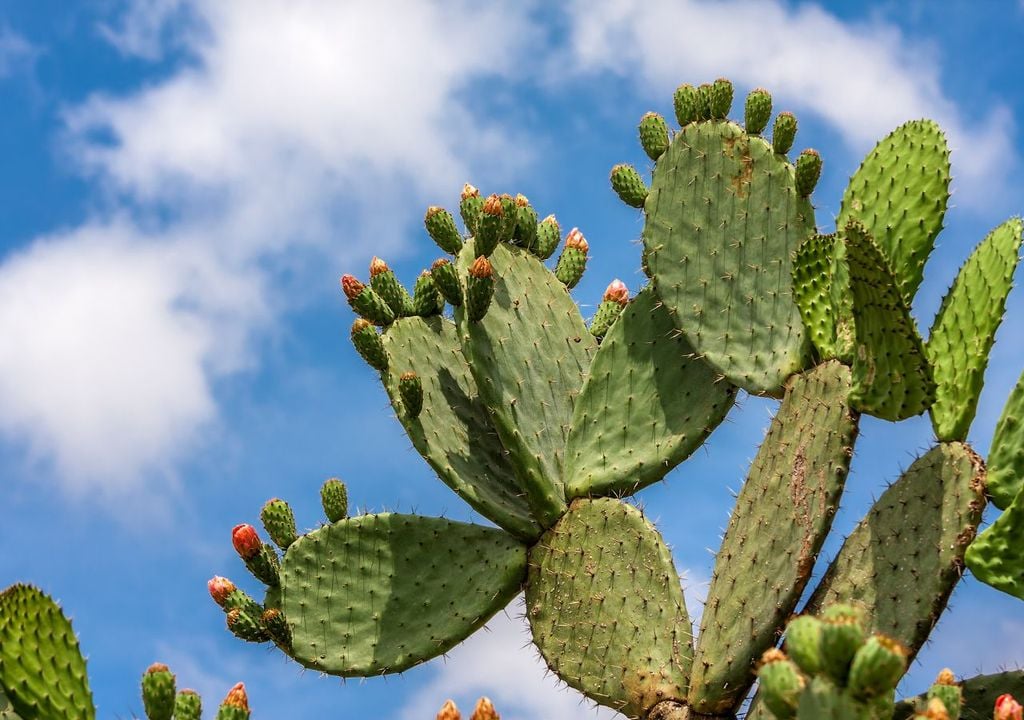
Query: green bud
<point>279,521</point>
<point>628,185</point>
<point>441,227</point>
<point>369,345</point>
<point>808,170</point>
<point>158,692</point>
<point>410,389</point>
<point>720,99</point>
<point>784,132</point>
<point>757,111</point>
<point>686,101</point>
<point>334,498</point>
<point>653,135</point>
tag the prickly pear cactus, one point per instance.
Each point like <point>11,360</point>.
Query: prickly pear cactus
<point>546,425</point>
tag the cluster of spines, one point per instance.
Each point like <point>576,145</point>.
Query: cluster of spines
<point>246,618</point>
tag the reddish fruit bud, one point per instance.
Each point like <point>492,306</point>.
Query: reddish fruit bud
<point>469,191</point>
<point>247,543</point>
<point>220,588</point>
<point>521,201</point>
<point>617,292</point>
<point>440,262</point>
<point>157,667</point>
<point>492,206</point>
<point>575,239</point>
<point>361,324</point>
<point>1007,708</point>
<point>484,710</point>
<point>378,266</point>
<point>481,268</point>
<point>449,712</point>
<point>236,697</point>
<point>351,286</point>
<point>945,677</point>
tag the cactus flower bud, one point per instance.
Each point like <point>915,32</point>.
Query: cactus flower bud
<point>617,292</point>
<point>368,344</point>
<point>1007,708</point>
<point>366,302</point>
<point>426,300</point>
<point>247,543</point>
<point>489,226</point>
<point>808,170</point>
<point>575,239</point>
<point>334,498</point>
<point>279,522</point>
<point>685,102</point>
<point>449,712</point>
<point>521,201</point>
<point>158,692</point>
<point>470,207</point>
<point>946,690</point>
<point>235,705</point>
<point>468,191</point>
<point>441,227</point>
<point>783,132</point>
<point>220,588</point>
<point>781,683</point>
<point>484,710</point>
<point>573,260</point>
<point>351,286</point>
<point>877,666</point>
<point>548,235</point>
<point>479,288</point>
<point>377,266</point>
<point>446,279</point>
<point>757,111</point>
<point>492,206</point>
<point>653,135</point>
<point>188,705</point>
<point>720,99</point>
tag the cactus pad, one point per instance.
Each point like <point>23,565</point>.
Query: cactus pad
<point>965,329</point>
<point>812,290</point>
<point>891,374</point>
<point>42,671</point>
<point>646,405</point>
<point>934,508</point>
<point>723,221</point>
<point>606,607</point>
<point>380,593</point>
<point>996,557</point>
<point>899,195</point>
<point>528,355</point>
<point>1006,455</point>
<point>780,521</point>
<point>453,431</point>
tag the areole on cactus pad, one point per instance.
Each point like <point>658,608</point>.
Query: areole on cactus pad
<point>546,426</point>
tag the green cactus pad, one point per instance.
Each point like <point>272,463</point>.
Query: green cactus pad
<point>979,694</point>
<point>723,221</point>
<point>606,607</point>
<point>654,136</point>
<point>529,354</point>
<point>628,185</point>
<point>965,329</point>
<point>781,518</point>
<point>996,557</point>
<point>891,374</point>
<point>188,706</point>
<point>453,431</point>
<point>899,195</point>
<point>646,405</point>
<point>42,671</point>
<point>812,290</point>
<point>1006,455</point>
<point>934,508</point>
<point>158,692</point>
<point>378,594</point>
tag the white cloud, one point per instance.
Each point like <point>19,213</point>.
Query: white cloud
<point>501,663</point>
<point>296,131</point>
<point>864,79</point>
<point>16,53</point>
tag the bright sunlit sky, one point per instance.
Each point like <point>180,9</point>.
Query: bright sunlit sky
<point>183,182</point>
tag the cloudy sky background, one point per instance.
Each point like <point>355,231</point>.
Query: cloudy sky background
<point>183,182</point>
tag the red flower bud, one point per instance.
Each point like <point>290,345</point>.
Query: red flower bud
<point>247,543</point>
<point>378,266</point>
<point>351,286</point>
<point>617,292</point>
<point>1007,708</point>
<point>575,239</point>
<point>220,588</point>
<point>492,206</point>
<point>236,697</point>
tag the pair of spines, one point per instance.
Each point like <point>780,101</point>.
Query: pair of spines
<point>162,702</point>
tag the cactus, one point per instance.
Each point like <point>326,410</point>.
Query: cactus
<point>546,427</point>
<point>42,671</point>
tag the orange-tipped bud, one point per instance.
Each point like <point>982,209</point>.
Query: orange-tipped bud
<point>236,697</point>
<point>1007,708</point>
<point>440,262</point>
<point>220,588</point>
<point>522,200</point>
<point>377,266</point>
<point>247,543</point>
<point>351,286</point>
<point>617,292</point>
<point>157,667</point>
<point>484,710</point>
<point>575,239</point>
<point>449,712</point>
<point>361,324</point>
<point>469,191</point>
<point>945,677</point>
<point>772,655</point>
<point>481,268</point>
<point>492,206</point>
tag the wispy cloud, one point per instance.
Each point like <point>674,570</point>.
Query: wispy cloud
<point>501,663</point>
<point>297,131</point>
<point>16,53</point>
<point>864,79</point>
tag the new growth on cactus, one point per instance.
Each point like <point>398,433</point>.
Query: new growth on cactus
<point>546,427</point>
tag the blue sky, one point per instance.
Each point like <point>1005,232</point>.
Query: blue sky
<point>185,180</point>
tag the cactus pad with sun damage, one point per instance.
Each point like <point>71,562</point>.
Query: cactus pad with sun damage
<point>723,222</point>
<point>934,508</point>
<point>782,516</point>
<point>453,431</point>
<point>965,329</point>
<point>42,671</point>
<point>606,607</point>
<point>646,405</point>
<point>380,593</point>
<point>899,195</point>
<point>529,354</point>
<point>891,374</point>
